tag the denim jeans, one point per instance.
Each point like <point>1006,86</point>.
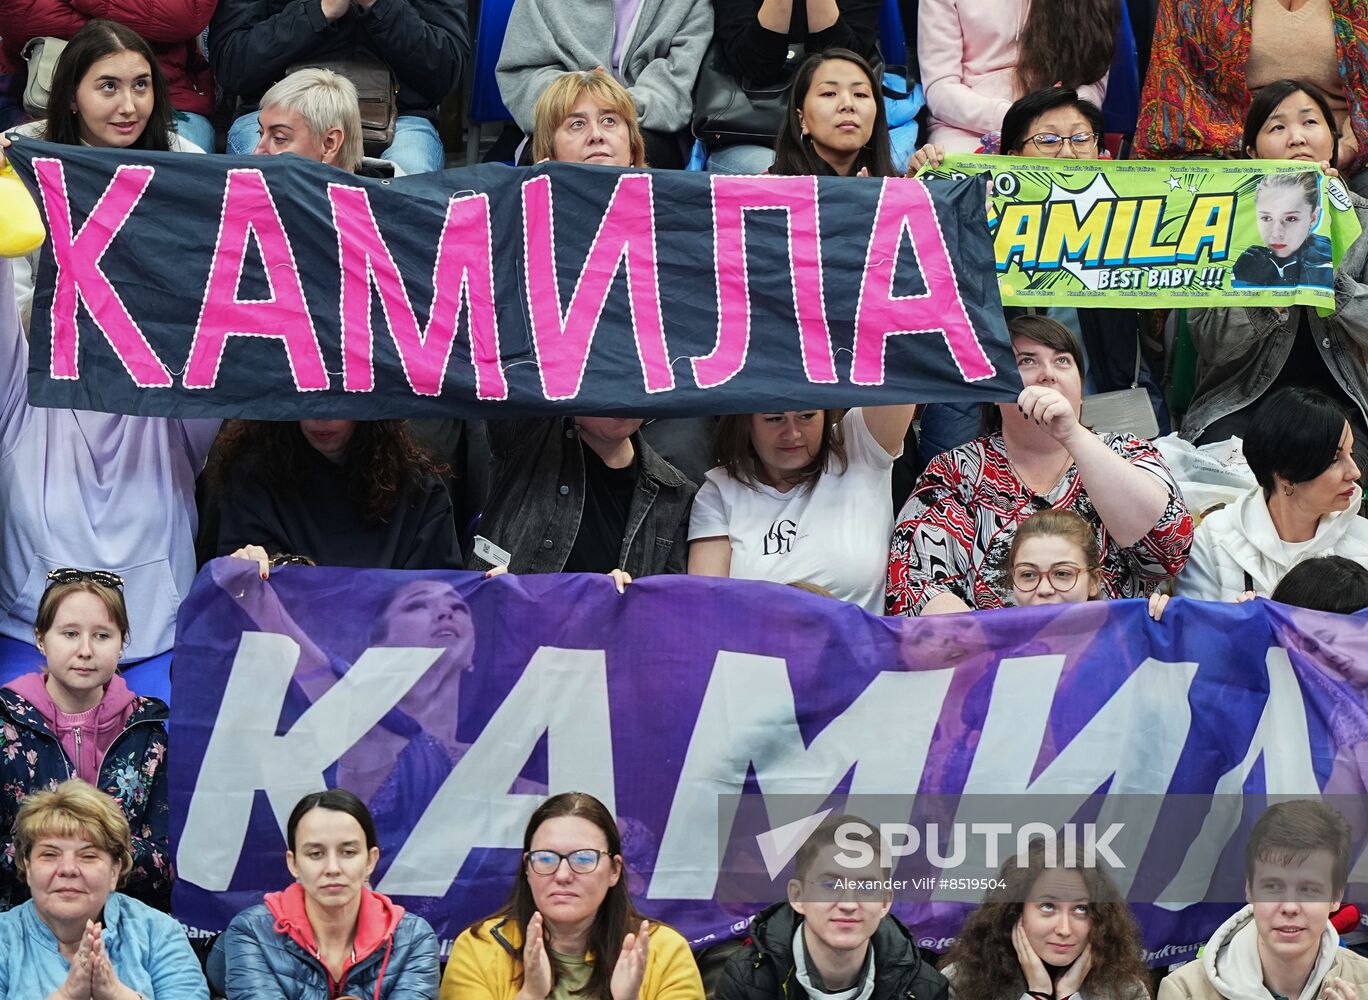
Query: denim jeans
<point>740,159</point>
<point>197,129</point>
<point>416,148</point>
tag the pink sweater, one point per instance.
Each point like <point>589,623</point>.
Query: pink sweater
<point>968,55</point>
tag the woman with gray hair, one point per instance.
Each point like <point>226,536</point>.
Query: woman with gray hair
<point>313,113</point>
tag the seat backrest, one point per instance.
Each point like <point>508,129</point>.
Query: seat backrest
<point>486,103</point>
<point>892,39</point>
<point>1121,106</point>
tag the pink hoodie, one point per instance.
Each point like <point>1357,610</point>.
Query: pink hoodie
<point>85,744</point>
<point>968,50</point>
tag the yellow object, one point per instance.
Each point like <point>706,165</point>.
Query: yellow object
<point>21,227</point>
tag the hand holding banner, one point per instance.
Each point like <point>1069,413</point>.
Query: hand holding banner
<point>454,704</point>
<point>1153,234</point>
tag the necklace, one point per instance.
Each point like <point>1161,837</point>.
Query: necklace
<point>1050,484</point>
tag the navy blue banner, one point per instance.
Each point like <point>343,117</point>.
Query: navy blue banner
<point>278,288</point>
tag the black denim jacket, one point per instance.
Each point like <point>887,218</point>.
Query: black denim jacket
<point>537,501</point>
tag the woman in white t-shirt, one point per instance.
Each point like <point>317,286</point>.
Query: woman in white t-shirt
<point>804,495</point>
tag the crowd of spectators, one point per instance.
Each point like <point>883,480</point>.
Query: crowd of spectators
<point>104,519</point>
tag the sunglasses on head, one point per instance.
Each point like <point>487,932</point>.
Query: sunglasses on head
<point>70,575</point>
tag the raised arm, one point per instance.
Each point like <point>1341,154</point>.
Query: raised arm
<point>851,24</point>
<point>889,425</point>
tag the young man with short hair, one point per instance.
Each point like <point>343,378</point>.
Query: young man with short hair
<point>1281,945</point>
<point>833,938</point>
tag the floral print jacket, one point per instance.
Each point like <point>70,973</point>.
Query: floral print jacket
<point>133,773</point>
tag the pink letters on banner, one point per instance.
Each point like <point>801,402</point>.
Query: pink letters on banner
<point>563,340</point>
<point>249,210</point>
<point>79,278</point>
<point>463,272</point>
<point>905,206</point>
<point>732,197</point>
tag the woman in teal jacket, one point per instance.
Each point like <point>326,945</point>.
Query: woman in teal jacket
<point>77,938</point>
<point>327,935</point>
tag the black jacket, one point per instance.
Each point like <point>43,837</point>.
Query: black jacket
<point>763,968</point>
<point>1259,267</point>
<point>537,501</point>
<point>425,43</point>
<point>757,54</point>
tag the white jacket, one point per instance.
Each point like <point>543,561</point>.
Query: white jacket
<point>1230,968</point>
<point>1241,539</point>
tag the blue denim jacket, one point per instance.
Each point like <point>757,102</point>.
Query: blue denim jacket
<point>537,501</point>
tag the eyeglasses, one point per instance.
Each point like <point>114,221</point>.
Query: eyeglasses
<point>1063,577</point>
<point>582,862</point>
<point>1081,142</point>
<point>857,889</point>
<point>70,575</point>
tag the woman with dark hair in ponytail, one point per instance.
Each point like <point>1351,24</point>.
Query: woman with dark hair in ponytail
<point>569,927</point>
<point>977,58</point>
<point>328,934</point>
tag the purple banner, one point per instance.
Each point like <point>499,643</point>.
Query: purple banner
<point>453,704</point>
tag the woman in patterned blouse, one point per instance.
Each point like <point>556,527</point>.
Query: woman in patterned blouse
<point>950,546</point>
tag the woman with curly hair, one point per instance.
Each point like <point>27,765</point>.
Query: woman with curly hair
<point>339,492</point>
<point>1049,930</point>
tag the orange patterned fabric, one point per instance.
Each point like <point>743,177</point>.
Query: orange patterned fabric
<point>1195,96</point>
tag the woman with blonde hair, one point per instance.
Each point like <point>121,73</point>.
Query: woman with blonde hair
<point>79,937</point>
<point>587,118</point>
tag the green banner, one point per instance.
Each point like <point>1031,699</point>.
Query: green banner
<point>1151,234</point>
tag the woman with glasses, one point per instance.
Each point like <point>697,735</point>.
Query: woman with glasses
<point>328,934</point>
<point>569,928</point>
<point>1054,559</point>
<point>977,58</point>
<point>1054,122</point>
<point>76,718</point>
<point>951,547</point>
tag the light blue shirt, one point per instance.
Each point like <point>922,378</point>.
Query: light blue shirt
<point>149,950</point>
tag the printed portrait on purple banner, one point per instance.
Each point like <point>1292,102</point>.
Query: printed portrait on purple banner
<point>717,718</point>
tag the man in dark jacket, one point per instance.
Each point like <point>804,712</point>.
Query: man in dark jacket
<point>833,937</point>
<point>424,43</point>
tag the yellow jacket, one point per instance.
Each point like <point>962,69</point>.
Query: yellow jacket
<point>484,967</point>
